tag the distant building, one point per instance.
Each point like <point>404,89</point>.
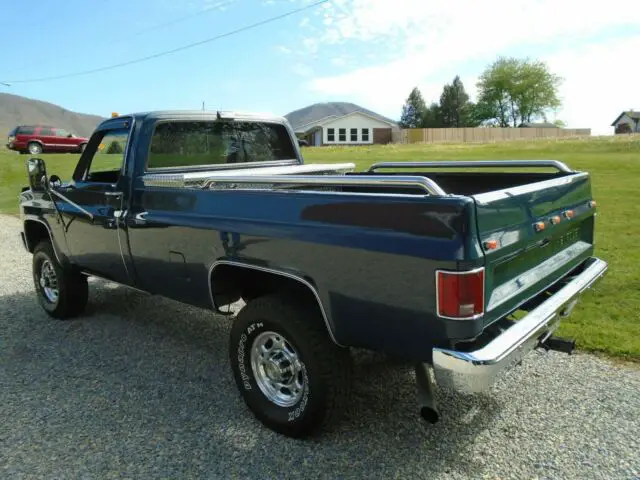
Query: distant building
<point>537,125</point>
<point>627,122</point>
<point>340,123</point>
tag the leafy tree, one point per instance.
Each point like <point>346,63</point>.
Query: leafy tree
<point>432,117</point>
<point>413,110</point>
<point>455,108</point>
<point>560,123</point>
<point>513,91</point>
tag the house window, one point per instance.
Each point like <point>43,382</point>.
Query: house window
<point>365,134</point>
<point>331,134</point>
<point>342,134</point>
<point>354,134</point>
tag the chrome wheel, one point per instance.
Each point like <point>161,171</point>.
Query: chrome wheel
<point>49,281</point>
<point>277,369</point>
<point>35,149</point>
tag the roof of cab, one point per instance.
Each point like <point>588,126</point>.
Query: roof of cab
<point>203,114</point>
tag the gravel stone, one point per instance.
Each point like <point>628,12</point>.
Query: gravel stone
<point>140,387</point>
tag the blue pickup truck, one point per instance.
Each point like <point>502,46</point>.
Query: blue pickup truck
<point>457,267</point>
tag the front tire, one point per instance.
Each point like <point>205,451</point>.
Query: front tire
<point>290,374</point>
<point>62,293</point>
<point>34,148</point>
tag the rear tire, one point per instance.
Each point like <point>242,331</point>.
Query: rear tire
<point>62,293</point>
<point>34,148</point>
<point>291,375</point>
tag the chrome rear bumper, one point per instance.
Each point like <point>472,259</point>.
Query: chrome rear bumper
<point>476,371</point>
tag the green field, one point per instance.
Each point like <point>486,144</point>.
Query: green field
<point>607,319</point>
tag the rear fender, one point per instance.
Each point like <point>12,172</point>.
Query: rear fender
<point>229,274</point>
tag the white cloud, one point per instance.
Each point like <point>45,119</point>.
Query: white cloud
<point>302,69</point>
<point>283,49</point>
<point>430,40</point>
<point>601,80</point>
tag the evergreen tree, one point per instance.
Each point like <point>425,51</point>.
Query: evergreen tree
<point>413,110</point>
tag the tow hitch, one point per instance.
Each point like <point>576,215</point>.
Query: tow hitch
<point>559,344</point>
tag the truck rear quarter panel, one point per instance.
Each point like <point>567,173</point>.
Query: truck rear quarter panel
<point>371,258</point>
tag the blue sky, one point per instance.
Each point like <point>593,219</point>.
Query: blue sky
<point>370,52</point>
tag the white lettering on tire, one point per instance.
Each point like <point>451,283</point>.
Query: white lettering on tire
<point>294,414</point>
<point>241,354</point>
<point>241,367</point>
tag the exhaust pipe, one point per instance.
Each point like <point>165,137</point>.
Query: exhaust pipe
<point>559,344</point>
<point>429,414</point>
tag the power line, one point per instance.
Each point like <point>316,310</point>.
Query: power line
<point>174,50</point>
<point>215,6</point>
<point>122,38</point>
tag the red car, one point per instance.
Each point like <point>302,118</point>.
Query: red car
<point>35,139</point>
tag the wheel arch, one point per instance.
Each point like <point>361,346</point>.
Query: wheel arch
<point>229,280</point>
<point>36,230</point>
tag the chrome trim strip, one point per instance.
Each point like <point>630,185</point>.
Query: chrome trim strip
<point>53,245</point>
<point>486,198</point>
<point>276,272</point>
<point>509,289</point>
<point>560,166</point>
<point>475,371</point>
<point>460,272</point>
<point>86,212</point>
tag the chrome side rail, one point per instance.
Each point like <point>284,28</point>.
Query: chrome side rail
<point>271,181</point>
<point>475,371</point>
<point>560,166</point>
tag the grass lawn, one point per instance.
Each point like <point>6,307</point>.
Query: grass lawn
<point>607,320</point>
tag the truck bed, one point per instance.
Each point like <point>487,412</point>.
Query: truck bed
<point>464,183</point>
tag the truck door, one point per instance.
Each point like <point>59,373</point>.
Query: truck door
<point>93,204</point>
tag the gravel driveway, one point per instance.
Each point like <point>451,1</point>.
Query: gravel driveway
<point>140,387</point>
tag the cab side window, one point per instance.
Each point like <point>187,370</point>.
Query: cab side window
<point>106,156</point>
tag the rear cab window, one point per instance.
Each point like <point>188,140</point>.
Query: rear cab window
<point>203,143</point>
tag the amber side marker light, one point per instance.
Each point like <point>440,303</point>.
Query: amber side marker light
<point>592,204</point>
<point>555,219</point>
<point>539,226</point>
<point>569,213</point>
<point>491,244</point>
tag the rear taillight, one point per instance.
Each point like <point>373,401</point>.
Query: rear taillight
<point>460,295</point>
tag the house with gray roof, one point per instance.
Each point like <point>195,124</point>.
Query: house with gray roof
<point>627,122</point>
<point>340,123</point>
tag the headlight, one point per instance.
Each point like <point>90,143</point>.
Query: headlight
<point>11,139</point>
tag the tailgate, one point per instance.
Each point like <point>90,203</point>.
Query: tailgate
<point>521,258</point>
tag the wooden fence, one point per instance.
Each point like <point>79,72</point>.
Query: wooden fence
<point>482,135</point>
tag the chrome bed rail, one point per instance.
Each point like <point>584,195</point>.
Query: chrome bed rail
<point>560,166</point>
<point>250,181</point>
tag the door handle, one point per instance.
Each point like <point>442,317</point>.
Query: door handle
<point>113,194</point>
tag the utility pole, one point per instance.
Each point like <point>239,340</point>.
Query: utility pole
<point>203,105</point>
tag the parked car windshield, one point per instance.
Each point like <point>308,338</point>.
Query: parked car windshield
<point>177,144</point>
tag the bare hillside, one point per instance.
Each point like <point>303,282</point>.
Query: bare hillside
<point>17,110</point>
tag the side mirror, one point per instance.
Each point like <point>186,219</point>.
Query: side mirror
<point>55,181</point>
<point>37,172</point>
<point>70,135</point>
